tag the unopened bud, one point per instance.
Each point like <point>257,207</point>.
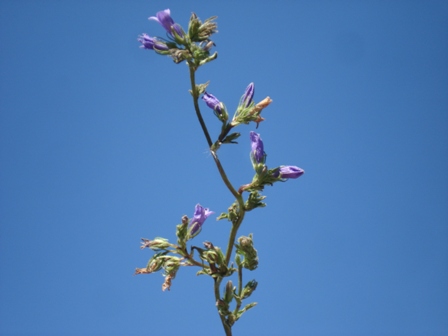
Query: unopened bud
<point>228,292</point>
<point>171,264</point>
<point>157,244</point>
<point>249,289</point>
<point>246,248</point>
<point>156,262</point>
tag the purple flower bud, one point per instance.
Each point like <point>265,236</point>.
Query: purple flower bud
<point>212,102</point>
<point>248,96</point>
<point>178,30</point>
<point>146,41</point>
<point>149,42</point>
<point>257,147</point>
<point>199,217</point>
<point>288,172</point>
<point>166,21</point>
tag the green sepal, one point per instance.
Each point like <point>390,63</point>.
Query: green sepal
<point>179,39</point>
<point>222,216</point>
<point>245,309</point>
<point>156,262</point>
<point>238,260</point>
<point>233,212</point>
<point>203,271</point>
<point>200,88</point>
<point>191,236</point>
<point>247,291</point>
<point>209,59</point>
<point>181,233</point>
<point>254,201</point>
<point>193,27</point>
<point>231,137</point>
<point>171,264</point>
<point>223,116</point>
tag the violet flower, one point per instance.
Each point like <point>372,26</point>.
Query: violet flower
<point>149,42</point>
<point>199,217</point>
<point>257,152</point>
<point>212,102</point>
<point>166,21</point>
<point>287,172</point>
<point>248,96</point>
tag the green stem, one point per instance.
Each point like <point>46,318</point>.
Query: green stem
<point>229,185</point>
<point>226,180</point>
<point>233,233</point>
<point>240,287</point>
<point>227,328</point>
<point>195,95</point>
<point>238,196</point>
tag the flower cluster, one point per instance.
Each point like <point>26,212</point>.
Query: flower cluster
<point>263,174</point>
<point>187,230</point>
<point>246,112</point>
<point>193,46</point>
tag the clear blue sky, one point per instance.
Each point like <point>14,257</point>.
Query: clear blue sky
<point>99,146</point>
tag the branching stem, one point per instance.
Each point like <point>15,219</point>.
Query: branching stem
<point>241,210</point>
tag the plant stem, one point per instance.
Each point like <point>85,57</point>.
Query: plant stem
<point>195,95</point>
<point>240,287</point>
<point>227,328</point>
<point>226,181</point>
<point>238,196</point>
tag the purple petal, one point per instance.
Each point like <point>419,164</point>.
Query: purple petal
<point>257,147</point>
<point>146,41</point>
<point>178,30</point>
<point>164,19</point>
<point>199,217</point>
<point>212,102</point>
<point>248,95</point>
<point>289,172</point>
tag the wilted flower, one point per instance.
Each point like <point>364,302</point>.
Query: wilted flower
<point>261,105</point>
<point>141,271</point>
<point>288,172</point>
<point>212,102</point>
<point>199,217</point>
<point>168,281</point>
<point>247,98</point>
<point>149,42</point>
<point>167,22</point>
<point>257,152</point>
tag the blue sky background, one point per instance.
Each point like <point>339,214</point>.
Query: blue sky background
<point>99,146</point>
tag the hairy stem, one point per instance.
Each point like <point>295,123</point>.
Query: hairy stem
<point>238,196</point>
<point>227,328</point>
<point>240,287</point>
